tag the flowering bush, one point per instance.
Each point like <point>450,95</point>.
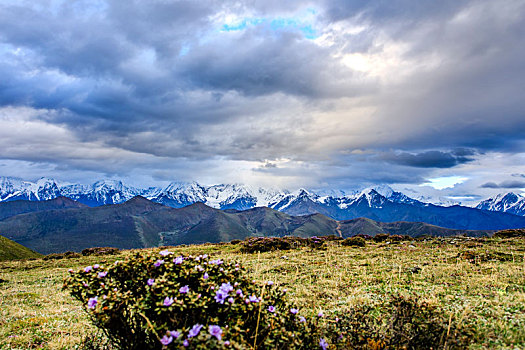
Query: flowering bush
<point>161,300</point>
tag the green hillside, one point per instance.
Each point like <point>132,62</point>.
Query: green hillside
<point>10,250</point>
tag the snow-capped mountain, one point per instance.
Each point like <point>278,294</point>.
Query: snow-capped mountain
<point>332,203</point>
<point>16,189</point>
<point>180,194</point>
<point>100,193</point>
<point>224,196</point>
<point>379,203</point>
<point>505,202</point>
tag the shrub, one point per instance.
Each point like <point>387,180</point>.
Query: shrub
<point>364,236</point>
<point>405,323</point>
<point>149,300</point>
<point>100,251</point>
<point>235,241</point>
<point>331,238</point>
<point>510,233</point>
<point>381,237</point>
<point>66,255</point>
<point>354,242</point>
<point>396,238</point>
<point>266,244</point>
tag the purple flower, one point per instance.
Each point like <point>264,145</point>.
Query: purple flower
<point>175,334</point>
<point>158,263</point>
<point>92,302</point>
<point>150,281</point>
<point>302,319</point>
<point>227,343</point>
<point>102,274</point>
<point>186,343</point>
<point>70,271</point>
<point>165,252</point>
<point>216,262</point>
<point>199,268</point>
<point>96,266</point>
<point>320,314</point>
<point>226,287</point>
<point>178,260</point>
<point>85,284</point>
<point>239,292</point>
<point>168,301</point>
<point>215,331</point>
<point>231,300</point>
<point>270,283</point>
<point>195,330</point>
<point>220,296</point>
<point>184,290</point>
<point>323,344</point>
<point>88,268</point>
<point>294,311</point>
<point>205,256</point>
<point>166,340</point>
<point>271,308</point>
<point>253,299</point>
<point>205,276</point>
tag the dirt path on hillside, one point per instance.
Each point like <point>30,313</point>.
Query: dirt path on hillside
<point>338,229</point>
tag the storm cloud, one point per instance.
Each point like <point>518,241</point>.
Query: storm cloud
<point>329,94</point>
<point>505,184</point>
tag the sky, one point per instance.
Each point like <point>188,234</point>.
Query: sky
<point>426,96</point>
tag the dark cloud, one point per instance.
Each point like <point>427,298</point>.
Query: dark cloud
<point>393,10</point>
<point>431,159</point>
<point>505,184</point>
<point>282,62</point>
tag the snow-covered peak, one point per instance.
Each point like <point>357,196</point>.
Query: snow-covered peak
<point>180,187</point>
<point>105,185</point>
<point>372,198</point>
<point>224,195</point>
<point>384,190</point>
<point>510,202</point>
<point>304,193</point>
<point>440,201</point>
<point>14,189</point>
<point>179,194</point>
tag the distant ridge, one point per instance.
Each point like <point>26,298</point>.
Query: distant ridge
<point>17,207</point>
<point>140,223</point>
<point>380,203</point>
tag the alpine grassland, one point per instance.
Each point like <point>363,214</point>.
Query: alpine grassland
<point>439,293</point>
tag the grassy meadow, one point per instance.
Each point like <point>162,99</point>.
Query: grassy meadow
<point>477,282</point>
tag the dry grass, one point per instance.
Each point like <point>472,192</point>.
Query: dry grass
<point>484,288</point>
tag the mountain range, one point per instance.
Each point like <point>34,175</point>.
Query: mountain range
<point>62,224</point>
<point>380,203</point>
